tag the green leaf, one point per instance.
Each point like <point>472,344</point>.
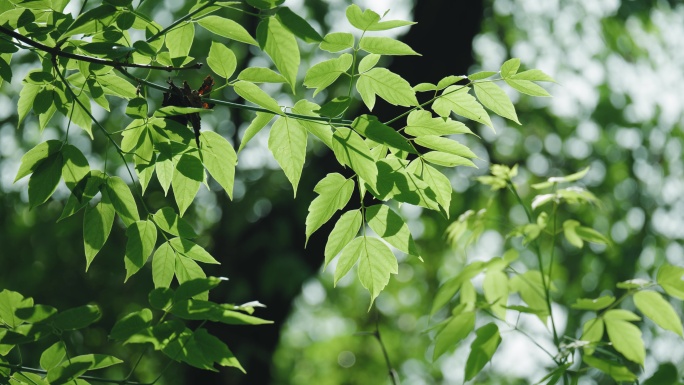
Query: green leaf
<point>495,288</point>
<point>671,279</point>
<point>77,318</point>
<point>114,85</point>
<point>481,75</point>
<point>227,28</point>
<point>163,265</point>
<point>83,192</point>
<point>186,180</point>
<point>449,146</point>
<point>97,223</point>
<point>368,62</point>
<point>370,127</point>
<point>10,301</point>
<point>86,22</point>
<point>297,25</point>
<point>665,375</point>
<point>76,366</point>
<point>561,179</point>
<point>195,287</point>
<point>386,84</point>
<point>261,75</point>
<point>179,40</point>
<point>187,269</point>
<point>613,369</point>
<point>281,45</point>
<point>594,304</point>
<point>446,159</point>
<point>287,142</point>
<point>142,237</point>
<point>122,200</point>
<point>658,309</point>
<point>421,123</point>
<point>322,131</point>
<point>323,74</point>
<point>362,20</point>
<point>336,42</point>
<point>389,24</point>
<point>334,191</point>
<point>494,98</point>
<point>352,151</point>
<point>482,349</point>
<point>533,75</point>
<point>221,60</point>
<point>509,68</point>
<point>385,46</point>
<point>391,227</point>
<point>53,355</point>
<point>569,230</point>
<point>626,339</point>
<point>456,329</point>
<point>252,93</point>
<point>635,283</point>
<point>591,235</point>
<point>161,298</point>
<point>35,314</point>
<point>75,166</point>
<point>527,87</point>
<point>259,122</point>
<point>531,289</point>
<point>190,249</point>
<point>172,223</point>
<point>592,331</point>
<point>219,158</point>
<point>131,324</point>
<point>137,108</point>
<point>396,182</point>
<point>37,155</point>
<point>376,265</point>
<point>458,100</point>
<point>335,107</point>
<point>44,180</point>
<point>438,182</point>
<point>27,95</point>
<point>344,231</point>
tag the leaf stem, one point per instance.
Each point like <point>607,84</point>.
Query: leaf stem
<point>392,373</point>
<point>421,105</point>
<point>55,52</point>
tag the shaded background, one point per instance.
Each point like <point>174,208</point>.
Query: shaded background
<point>617,108</point>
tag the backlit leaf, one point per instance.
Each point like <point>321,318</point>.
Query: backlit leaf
<point>457,99</point>
<point>142,237</point>
<point>671,279</point>
<point>626,339</point>
<point>482,349</point>
<point>323,74</point>
<point>172,223</point>
<point>190,249</point>
<point>391,227</point>
<point>97,223</point>
<point>336,42</point>
<point>186,180</point>
<point>44,180</point>
<point>352,151</point>
<point>122,200</point>
<point>219,158</point>
<point>226,28</point>
<point>334,191</point>
<point>261,75</point>
<point>456,329</point>
<point>221,60</point>
<point>252,93</point>
<point>298,25</point>
<point>287,142</point>
<point>658,309</point>
<point>259,122</point>
<point>386,84</point>
<point>385,46</point>
<point>421,123</point>
<point>163,265</point>
<point>344,231</point>
<point>494,98</point>
<point>281,45</point>
<point>376,264</point>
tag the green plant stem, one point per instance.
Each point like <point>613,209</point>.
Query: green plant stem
<point>524,333</point>
<point>237,105</point>
<point>58,52</point>
<point>547,285</point>
<point>392,373</point>
<point>181,20</point>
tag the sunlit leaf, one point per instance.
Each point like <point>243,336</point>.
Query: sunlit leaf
<point>334,191</point>
<point>287,142</point>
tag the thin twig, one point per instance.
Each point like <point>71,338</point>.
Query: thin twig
<point>392,373</point>
<point>55,51</point>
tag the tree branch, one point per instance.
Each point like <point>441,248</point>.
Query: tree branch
<point>54,51</point>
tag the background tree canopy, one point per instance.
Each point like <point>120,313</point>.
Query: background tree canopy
<point>616,110</point>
